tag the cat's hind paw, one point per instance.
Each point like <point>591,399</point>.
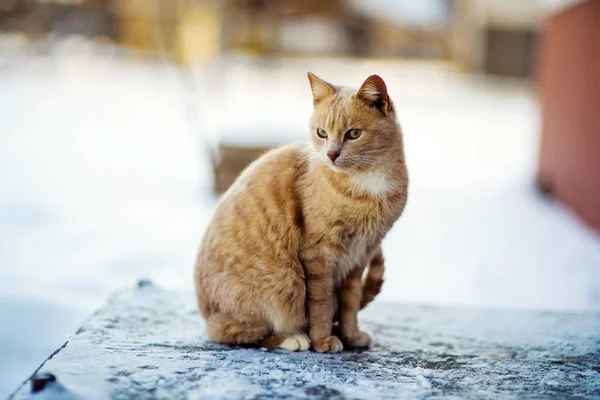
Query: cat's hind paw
<point>297,342</point>
<point>361,340</point>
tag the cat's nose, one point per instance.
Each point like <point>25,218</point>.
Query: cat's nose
<point>333,155</point>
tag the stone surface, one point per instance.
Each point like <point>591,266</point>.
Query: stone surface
<point>149,343</point>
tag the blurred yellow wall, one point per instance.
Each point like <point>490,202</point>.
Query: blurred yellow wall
<point>186,29</point>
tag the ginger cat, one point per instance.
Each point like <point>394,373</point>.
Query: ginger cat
<point>285,252</point>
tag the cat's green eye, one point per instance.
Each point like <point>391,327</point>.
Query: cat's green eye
<point>321,133</point>
<point>353,134</point>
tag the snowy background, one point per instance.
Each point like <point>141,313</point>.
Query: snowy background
<point>105,178</point>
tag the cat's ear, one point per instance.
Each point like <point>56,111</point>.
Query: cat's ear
<point>374,92</point>
<point>320,88</point>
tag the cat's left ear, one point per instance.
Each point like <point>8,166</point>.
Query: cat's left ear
<point>374,92</point>
<point>320,88</point>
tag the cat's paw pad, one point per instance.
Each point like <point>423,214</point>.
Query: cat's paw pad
<point>330,344</point>
<point>362,339</point>
<point>297,342</point>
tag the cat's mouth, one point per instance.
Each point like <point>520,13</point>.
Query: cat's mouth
<point>337,165</point>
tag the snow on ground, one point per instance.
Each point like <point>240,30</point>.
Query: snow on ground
<point>105,178</point>
<point>145,343</point>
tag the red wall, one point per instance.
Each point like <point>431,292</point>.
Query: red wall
<point>569,92</point>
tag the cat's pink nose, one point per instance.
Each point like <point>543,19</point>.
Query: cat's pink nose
<point>333,155</point>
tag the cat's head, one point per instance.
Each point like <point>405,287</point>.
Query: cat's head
<point>353,130</point>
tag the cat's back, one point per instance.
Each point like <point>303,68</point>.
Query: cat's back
<point>271,168</point>
<point>271,176</point>
<point>260,212</point>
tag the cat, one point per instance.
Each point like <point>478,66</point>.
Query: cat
<point>281,263</point>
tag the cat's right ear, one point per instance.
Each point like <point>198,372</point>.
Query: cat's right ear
<point>374,92</point>
<point>320,88</point>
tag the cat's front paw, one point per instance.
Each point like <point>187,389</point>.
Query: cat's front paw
<point>330,344</point>
<point>297,342</point>
<point>361,339</point>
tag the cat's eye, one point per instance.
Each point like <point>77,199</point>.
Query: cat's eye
<point>353,134</point>
<point>321,133</point>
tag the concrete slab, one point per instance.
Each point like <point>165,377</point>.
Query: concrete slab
<point>149,343</point>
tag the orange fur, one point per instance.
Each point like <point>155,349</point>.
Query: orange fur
<point>289,241</point>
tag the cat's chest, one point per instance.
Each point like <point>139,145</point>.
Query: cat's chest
<point>355,239</point>
<point>346,234</point>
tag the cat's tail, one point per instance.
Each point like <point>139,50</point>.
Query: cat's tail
<point>371,284</point>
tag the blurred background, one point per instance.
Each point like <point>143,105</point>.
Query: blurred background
<point>121,122</point>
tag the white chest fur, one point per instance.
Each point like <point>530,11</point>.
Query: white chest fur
<point>374,182</point>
